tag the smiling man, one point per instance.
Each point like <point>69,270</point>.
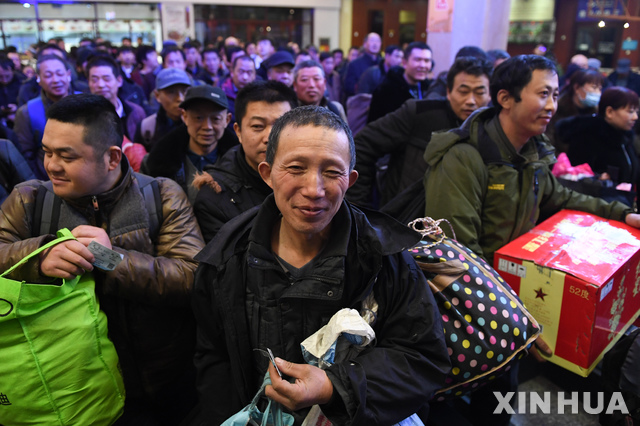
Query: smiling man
<point>233,184</point>
<point>402,83</point>
<point>491,178</point>
<point>279,272</point>
<point>95,194</point>
<point>200,141</point>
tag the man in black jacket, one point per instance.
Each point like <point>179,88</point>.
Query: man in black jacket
<point>405,133</point>
<point>199,142</point>
<point>236,185</point>
<point>401,83</point>
<point>276,274</point>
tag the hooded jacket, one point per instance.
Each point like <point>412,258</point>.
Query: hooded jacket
<point>245,300</point>
<point>492,194</point>
<point>146,297</point>
<point>239,188</point>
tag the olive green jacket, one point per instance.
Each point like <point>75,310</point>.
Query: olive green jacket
<point>492,194</point>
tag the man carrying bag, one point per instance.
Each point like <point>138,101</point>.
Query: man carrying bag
<point>101,200</point>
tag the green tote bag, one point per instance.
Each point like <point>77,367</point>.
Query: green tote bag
<point>57,365</point>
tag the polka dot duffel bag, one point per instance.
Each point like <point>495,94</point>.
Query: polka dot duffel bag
<point>486,325</point>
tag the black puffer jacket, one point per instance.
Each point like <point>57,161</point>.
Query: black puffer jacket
<point>392,92</point>
<point>240,189</point>
<point>244,300</point>
<point>404,134</point>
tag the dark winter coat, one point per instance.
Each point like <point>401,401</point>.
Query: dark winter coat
<point>13,168</point>
<point>245,300</point>
<point>392,92</point>
<point>240,189</point>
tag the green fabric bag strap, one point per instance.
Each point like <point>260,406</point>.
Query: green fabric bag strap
<point>63,235</point>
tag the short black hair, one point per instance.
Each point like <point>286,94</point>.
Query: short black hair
<point>103,61</point>
<point>6,63</point>
<point>309,115</point>
<point>617,97</point>
<point>54,47</point>
<point>170,49</point>
<point>270,91</point>
<point>391,48</point>
<point>415,45</point>
<point>474,51</point>
<point>126,49</point>
<point>468,65</point>
<point>189,45</point>
<point>242,58</point>
<point>229,51</point>
<point>45,58</point>
<point>142,52</point>
<point>515,73</point>
<point>98,117</point>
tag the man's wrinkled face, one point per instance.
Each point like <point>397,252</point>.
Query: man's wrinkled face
<point>309,177</point>
<point>102,82</point>
<point>309,86</point>
<point>243,73</point>
<point>256,126</point>
<point>205,123</point>
<point>469,93</point>
<point>74,167</point>
<point>373,44</point>
<point>54,78</point>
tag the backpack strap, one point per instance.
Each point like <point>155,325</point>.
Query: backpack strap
<point>150,190</point>
<point>37,118</point>
<point>46,211</point>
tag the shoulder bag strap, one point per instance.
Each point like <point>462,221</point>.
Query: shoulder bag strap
<point>63,235</point>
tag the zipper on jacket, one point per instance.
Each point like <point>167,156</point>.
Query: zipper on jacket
<point>94,201</point>
<point>536,189</point>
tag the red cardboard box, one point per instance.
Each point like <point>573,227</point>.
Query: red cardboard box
<point>579,276</point>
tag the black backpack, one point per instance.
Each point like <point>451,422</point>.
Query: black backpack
<point>47,207</point>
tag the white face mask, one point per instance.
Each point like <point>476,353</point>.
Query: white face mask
<point>591,100</point>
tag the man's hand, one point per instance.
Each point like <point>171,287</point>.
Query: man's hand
<point>633,219</point>
<point>66,260</point>
<point>311,386</point>
<point>539,350</point>
<point>85,234</point>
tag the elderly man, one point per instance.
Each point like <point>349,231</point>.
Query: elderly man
<point>371,46</point>
<point>309,83</point>
<point>276,274</point>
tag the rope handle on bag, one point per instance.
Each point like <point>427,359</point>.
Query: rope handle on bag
<point>428,227</point>
<point>63,235</point>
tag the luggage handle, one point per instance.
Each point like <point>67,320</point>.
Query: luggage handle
<point>63,235</point>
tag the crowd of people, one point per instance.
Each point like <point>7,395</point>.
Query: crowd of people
<point>272,167</point>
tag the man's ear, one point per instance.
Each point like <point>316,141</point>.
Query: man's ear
<point>229,120</point>
<point>236,129</point>
<point>505,99</point>
<point>353,177</point>
<point>119,79</point>
<point>184,116</point>
<point>115,156</point>
<point>265,172</point>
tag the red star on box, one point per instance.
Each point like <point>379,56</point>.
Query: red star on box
<point>540,294</point>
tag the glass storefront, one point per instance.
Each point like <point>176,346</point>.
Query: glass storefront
<point>24,24</point>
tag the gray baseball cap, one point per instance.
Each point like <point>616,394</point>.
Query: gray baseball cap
<point>205,93</point>
<point>171,76</point>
